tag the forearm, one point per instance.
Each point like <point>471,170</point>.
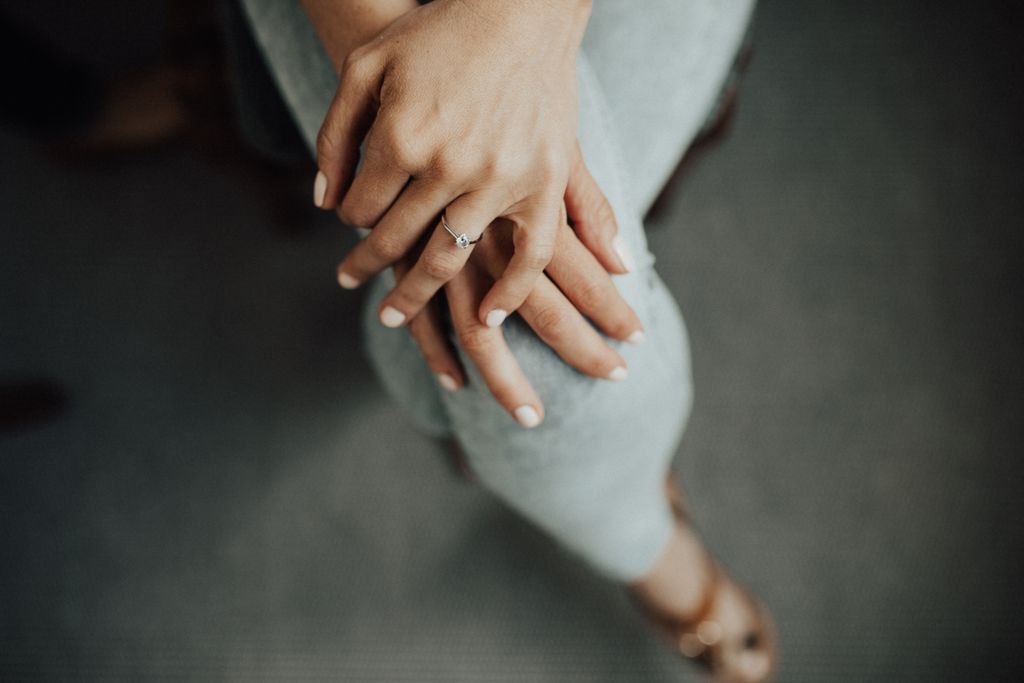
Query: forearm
<point>344,25</point>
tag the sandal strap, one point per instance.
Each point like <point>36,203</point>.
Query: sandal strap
<point>697,636</point>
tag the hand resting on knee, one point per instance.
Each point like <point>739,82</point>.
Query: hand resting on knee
<point>466,112</point>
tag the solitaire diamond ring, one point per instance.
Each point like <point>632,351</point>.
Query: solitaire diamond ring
<point>462,240</point>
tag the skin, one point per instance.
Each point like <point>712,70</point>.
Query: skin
<point>480,129</point>
<point>407,202</point>
<point>555,298</point>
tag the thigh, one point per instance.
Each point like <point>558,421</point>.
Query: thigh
<point>591,474</point>
<point>661,64</point>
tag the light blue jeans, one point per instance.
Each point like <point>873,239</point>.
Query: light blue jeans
<point>591,475</point>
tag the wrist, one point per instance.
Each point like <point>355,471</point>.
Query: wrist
<point>535,19</point>
<point>344,25</point>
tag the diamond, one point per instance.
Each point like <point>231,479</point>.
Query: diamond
<point>462,241</point>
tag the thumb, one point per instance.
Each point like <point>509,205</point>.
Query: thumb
<point>593,219</point>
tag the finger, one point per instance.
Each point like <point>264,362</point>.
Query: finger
<point>486,347</point>
<point>590,289</point>
<point>428,333</point>
<point>441,258</point>
<point>533,237</point>
<point>395,235</point>
<point>558,323</point>
<point>377,184</point>
<point>348,118</point>
<point>593,219</point>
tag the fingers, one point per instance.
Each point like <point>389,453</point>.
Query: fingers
<point>586,284</point>
<point>395,234</point>
<point>486,347</point>
<point>377,184</point>
<point>593,219</point>
<point>348,118</point>
<point>558,323</point>
<point>441,258</point>
<point>534,240</point>
<point>427,331</point>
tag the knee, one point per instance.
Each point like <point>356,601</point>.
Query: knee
<point>579,409</point>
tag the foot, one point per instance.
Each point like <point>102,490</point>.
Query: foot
<point>707,615</point>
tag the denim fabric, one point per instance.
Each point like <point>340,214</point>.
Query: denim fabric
<point>591,474</point>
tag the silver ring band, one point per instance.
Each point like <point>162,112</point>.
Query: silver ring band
<point>462,240</point>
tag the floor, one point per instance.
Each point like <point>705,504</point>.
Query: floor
<point>229,495</point>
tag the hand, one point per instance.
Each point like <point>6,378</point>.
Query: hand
<point>556,317</point>
<point>470,108</point>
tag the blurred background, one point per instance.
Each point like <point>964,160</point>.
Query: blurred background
<point>200,478</point>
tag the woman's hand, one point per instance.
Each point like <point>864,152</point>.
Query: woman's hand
<point>467,107</point>
<point>575,285</point>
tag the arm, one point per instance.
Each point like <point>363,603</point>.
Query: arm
<point>467,107</point>
<point>557,307</point>
<point>344,25</point>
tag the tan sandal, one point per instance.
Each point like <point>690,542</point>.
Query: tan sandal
<point>701,637</point>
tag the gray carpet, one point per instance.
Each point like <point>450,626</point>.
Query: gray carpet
<point>230,496</point>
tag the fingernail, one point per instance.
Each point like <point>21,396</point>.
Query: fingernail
<point>625,255</point>
<point>391,317</point>
<point>618,374</point>
<point>347,281</point>
<point>527,416</point>
<point>319,189</point>
<point>447,381</point>
<point>496,317</point>
<point>636,338</point>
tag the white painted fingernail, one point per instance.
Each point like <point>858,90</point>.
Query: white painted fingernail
<point>447,381</point>
<point>496,317</point>
<point>347,281</point>
<point>319,189</point>
<point>618,374</point>
<point>391,317</point>
<point>625,255</point>
<point>527,416</point>
<point>636,338</point>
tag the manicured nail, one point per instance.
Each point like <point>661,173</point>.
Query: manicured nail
<point>447,381</point>
<point>618,374</point>
<point>347,281</point>
<point>496,317</point>
<point>319,189</point>
<point>636,338</point>
<point>527,416</point>
<point>625,255</point>
<point>391,317</point>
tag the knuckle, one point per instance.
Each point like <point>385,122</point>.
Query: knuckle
<point>552,167</point>
<point>326,145</point>
<point>398,141</point>
<point>591,295</point>
<point>602,211</point>
<point>450,165</point>
<point>438,265</point>
<point>504,170</point>
<point>354,211</point>
<point>356,66</point>
<point>551,321</point>
<point>475,339</point>
<point>537,257</point>
<point>384,247</point>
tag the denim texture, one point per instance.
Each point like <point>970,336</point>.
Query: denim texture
<point>591,475</point>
